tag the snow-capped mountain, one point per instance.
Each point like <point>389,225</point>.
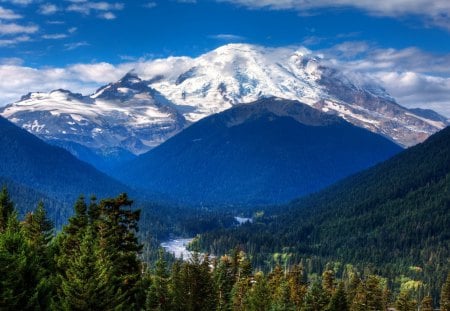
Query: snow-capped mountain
<point>126,116</point>
<point>162,97</point>
<point>242,73</point>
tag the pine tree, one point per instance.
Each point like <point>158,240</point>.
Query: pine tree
<point>404,302</point>
<point>259,295</point>
<point>117,227</point>
<point>239,294</point>
<point>427,304</point>
<point>38,230</point>
<point>279,289</point>
<point>297,286</point>
<point>86,283</point>
<point>6,208</point>
<point>339,300</point>
<point>177,287</point>
<point>445,295</point>
<point>224,280</point>
<point>19,269</point>
<point>328,280</point>
<point>316,299</point>
<point>158,294</point>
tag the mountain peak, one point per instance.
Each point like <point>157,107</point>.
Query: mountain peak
<point>130,77</point>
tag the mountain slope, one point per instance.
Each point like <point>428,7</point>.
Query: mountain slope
<point>133,115</point>
<point>394,215</point>
<point>266,152</point>
<point>52,171</point>
<point>123,118</point>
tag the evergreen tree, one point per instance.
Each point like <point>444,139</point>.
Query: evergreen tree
<point>239,294</point>
<point>339,300</point>
<point>224,280</point>
<point>404,302</point>
<point>445,295</point>
<point>19,269</point>
<point>6,208</point>
<point>177,287</point>
<point>38,230</point>
<point>279,289</point>
<point>117,227</point>
<point>86,283</point>
<point>158,294</point>
<point>297,286</point>
<point>328,280</point>
<point>316,299</point>
<point>427,304</point>
<point>259,295</point>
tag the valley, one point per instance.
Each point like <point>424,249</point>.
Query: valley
<point>244,177</point>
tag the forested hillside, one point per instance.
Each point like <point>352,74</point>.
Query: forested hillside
<point>94,264</point>
<point>27,162</point>
<point>394,217</point>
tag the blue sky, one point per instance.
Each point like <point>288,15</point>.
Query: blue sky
<point>405,44</point>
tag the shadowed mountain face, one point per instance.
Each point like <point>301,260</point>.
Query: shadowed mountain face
<point>267,152</point>
<point>27,161</point>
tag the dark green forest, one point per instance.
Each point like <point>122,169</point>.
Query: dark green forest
<point>393,218</point>
<point>95,263</point>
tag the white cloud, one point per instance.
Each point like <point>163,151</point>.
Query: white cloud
<point>75,45</point>
<point>14,61</point>
<point>54,36</point>
<point>87,7</point>
<point>13,29</point>
<point>107,15</point>
<point>48,9</point>
<point>8,14</point>
<point>19,2</point>
<point>227,37</point>
<point>14,41</point>
<point>436,12</point>
<point>413,77</point>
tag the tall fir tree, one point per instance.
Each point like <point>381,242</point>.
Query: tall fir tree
<point>339,299</point>
<point>445,295</point>
<point>86,283</point>
<point>6,208</point>
<point>427,304</point>
<point>158,294</point>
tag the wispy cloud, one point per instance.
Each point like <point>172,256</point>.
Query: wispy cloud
<point>435,12</point>
<point>414,77</point>
<point>7,14</point>
<point>75,45</point>
<point>19,2</point>
<point>15,40</point>
<point>227,37</point>
<point>13,29</point>
<point>107,15</point>
<point>48,9</point>
<point>87,7</point>
<point>55,36</point>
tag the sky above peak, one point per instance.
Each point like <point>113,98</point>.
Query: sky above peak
<point>81,44</point>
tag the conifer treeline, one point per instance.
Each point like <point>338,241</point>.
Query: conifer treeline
<point>94,264</point>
